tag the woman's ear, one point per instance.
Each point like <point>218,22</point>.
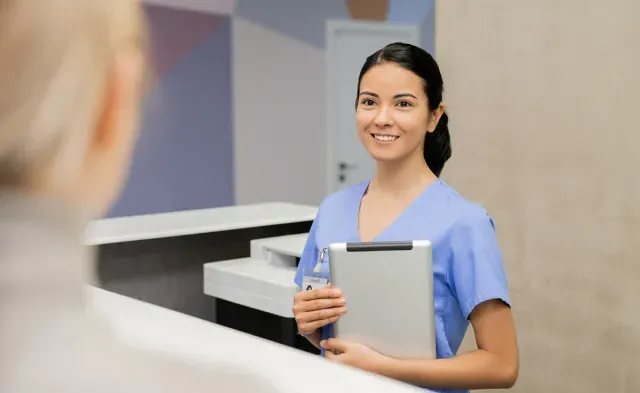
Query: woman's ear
<point>118,111</point>
<point>435,118</point>
<point>113,140</point>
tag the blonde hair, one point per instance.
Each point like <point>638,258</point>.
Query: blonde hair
<point>55,57</point>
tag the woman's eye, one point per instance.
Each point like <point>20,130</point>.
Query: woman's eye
<point>368,102</point>
<point>404,104</point>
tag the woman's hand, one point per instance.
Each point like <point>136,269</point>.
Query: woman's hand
<point>354,355</point>
<point>317,308</point>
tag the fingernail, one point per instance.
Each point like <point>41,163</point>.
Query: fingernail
<point>342,301</point>
<point>336,292</point>
<point>322,343</point>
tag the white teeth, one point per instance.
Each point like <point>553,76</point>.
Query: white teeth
<point>385,138</point>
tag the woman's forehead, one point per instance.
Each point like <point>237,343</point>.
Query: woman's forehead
<point>390,78</point>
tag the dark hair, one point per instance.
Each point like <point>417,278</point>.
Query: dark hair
<point>437,144</point>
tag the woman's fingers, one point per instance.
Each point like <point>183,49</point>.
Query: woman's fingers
<point>320,314</point>
<point>317,308</point>
<point>310,327</point>
<point>321,293</point>
<point>317,304</point>
<point>310,321</point>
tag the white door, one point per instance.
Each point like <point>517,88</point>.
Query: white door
<point>349,43</point>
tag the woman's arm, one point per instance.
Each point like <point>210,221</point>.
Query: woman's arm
<point>494,365</point>
<point>476,278</point>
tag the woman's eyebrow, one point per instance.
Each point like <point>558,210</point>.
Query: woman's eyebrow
<point>405,95</point>
<point>368,93</point>
<point>401,95</point>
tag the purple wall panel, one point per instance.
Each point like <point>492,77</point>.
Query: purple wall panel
<point>184,157</point>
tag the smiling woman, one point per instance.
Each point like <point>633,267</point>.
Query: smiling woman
<point>401,122</point>
<point>408,97</point>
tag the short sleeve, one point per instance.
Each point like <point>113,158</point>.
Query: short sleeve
<point>476,272</point>
<point>309,254</point>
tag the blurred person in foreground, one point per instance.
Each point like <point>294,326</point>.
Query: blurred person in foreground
<point>71,75</point>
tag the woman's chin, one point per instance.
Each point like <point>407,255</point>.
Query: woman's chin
<point>386,151</point>
<point>385,156</point>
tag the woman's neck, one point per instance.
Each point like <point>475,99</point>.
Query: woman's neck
<point>399,177</point>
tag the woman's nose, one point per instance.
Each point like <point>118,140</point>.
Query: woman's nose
<point>383,118</point>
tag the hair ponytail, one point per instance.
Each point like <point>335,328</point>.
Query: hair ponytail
<point>437,146</point>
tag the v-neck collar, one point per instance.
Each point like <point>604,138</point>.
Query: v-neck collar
<point>358,200</point>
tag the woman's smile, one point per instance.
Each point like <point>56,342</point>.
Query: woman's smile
<point>384,139</point>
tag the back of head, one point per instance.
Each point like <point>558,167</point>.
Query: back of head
<point>437,145</point>
<point>56,56</point>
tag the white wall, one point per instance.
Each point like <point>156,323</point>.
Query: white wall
<point>279,117</point>
<point>543,100</point>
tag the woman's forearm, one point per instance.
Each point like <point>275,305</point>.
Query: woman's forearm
<point>478,369</point>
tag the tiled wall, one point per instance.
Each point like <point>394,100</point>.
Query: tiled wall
<point>542,98</point>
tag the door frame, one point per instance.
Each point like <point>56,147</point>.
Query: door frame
<point>334,27</point>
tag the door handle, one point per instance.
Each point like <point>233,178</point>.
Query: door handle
<point>343,166</point>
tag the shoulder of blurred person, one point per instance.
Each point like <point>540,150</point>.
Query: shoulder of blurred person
<point>71,80</point>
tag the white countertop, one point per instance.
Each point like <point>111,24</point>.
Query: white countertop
<point>291,245</point>
<point>151,327</point>
<point>264,281</point>
<point>191,222</point>
<point>252,283</point>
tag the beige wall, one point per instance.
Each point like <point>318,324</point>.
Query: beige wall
<point>544,100</point>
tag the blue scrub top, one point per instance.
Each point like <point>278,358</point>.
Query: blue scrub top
<point>467,262</point>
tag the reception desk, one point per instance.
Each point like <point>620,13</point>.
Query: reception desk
<point>154,328</point>
<point>255,293</point>
<point>159,258</point>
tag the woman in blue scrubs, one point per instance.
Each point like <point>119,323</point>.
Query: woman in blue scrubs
<point>402,123</point>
